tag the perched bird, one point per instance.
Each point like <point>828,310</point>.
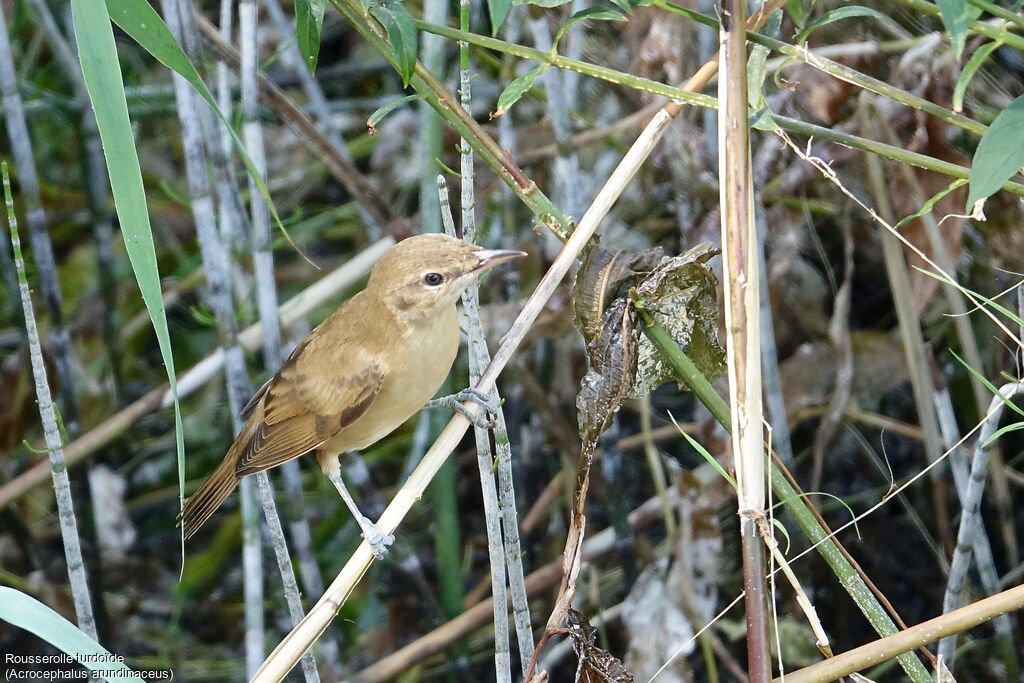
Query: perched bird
<point>360,374</point>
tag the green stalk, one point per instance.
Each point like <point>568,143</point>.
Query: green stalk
<point>848,577</point>
<point>997,11</point>
<point>585,68</point>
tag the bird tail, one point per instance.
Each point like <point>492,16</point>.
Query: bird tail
<point>214,491</point>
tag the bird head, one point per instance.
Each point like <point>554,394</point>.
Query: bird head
<point>422,275</point>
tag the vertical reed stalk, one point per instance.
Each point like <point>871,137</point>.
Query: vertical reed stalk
<point>742,323</point>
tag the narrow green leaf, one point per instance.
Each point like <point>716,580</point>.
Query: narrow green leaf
<point>797,12</point>
<point>757,64</point>
<point>401,34</point>
<point>139,20</point>
<point>988,385</point>
<point>590,13</point>
<point>853,515</point>
<point>1016,426</point>
<point>25,612</point>
<point>840,14</point>
<point>956,19</point>
<point>785,533</point>
<point>542,3</point>
<point>987,301</point>
<point>517,88</point>
<point>1000,154</point>
<point>970,68</point>
<point>932,201</point>
<point>98,56</point>
<point>309,20</point>
<point>498,11</point>
<point>379,115</point>
<point>703,452</point>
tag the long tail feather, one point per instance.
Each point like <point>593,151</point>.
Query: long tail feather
<point>214,491</point>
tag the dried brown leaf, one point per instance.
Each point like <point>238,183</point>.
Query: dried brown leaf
<point>595,665</point>
<point>603,276</point>
<point>681,293</point>
<point>611,366</point>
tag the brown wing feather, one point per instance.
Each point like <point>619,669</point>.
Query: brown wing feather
<point>289,428</point>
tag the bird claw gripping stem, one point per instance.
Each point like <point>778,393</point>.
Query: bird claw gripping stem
<point>454,403</point>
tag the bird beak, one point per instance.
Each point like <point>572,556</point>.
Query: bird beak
<point>489,258</point>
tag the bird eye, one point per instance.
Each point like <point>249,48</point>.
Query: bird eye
<point>433,279</point>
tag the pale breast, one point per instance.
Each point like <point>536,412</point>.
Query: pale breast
<point>425,356</point>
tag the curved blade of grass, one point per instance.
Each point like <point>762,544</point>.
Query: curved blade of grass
<point>25,612</point>
<point>1016,426</point>
<point>139,20</point>
<point>98,56</point>
<point>839,14</point>
<point>970,68</point>
<point>381,112</point>
<point>930,204</point>
<point>988,385</point>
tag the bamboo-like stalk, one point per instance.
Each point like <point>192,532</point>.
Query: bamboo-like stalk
<point>218,295</point>
<point>508,550</point>
<point>905,641</point>
<point>295,514</point>
<point>971,517</point>
<point>266,299</point>
<point>983,558</point>
<point>301,305</point>
<point>182,25</point>
<point>742,324</point>
<point>35,220</point>
<point>252,132</point>
<point>478,357</point>
<point>61,485</point>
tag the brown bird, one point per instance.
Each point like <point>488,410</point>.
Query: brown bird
<point>360,374</point>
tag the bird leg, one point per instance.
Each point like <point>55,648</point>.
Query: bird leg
<point>454,403</point>
<point>378,541</point>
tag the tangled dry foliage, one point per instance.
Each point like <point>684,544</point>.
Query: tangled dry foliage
<point>661,556</point>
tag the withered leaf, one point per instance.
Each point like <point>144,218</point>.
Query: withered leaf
<point>603,276</point>
<point>595,665</point>
<point>611,366</point>
<point>681,294</point>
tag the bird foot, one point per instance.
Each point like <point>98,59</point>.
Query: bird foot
<point>454,402</point>
<point>378,540</point>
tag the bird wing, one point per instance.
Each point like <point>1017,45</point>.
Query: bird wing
<point>304,405</point>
